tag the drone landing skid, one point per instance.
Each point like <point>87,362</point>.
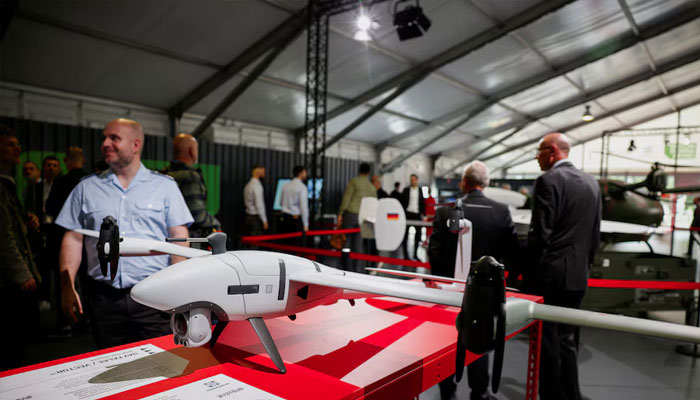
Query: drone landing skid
<point>264,335</point>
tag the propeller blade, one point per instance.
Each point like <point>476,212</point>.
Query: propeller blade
<point>459,362</point>
<point>483,314</point>
<point>500,350</point>
<point>107,230</point>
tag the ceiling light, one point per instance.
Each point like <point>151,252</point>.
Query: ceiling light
<point>587,116</point>
<point>362,35</point>
<point>363,22</point>
<point>632,146</point>
<point>410,22</point>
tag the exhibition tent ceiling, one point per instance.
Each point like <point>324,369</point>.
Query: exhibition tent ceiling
<point>498,74</point>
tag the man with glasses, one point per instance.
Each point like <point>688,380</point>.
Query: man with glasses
<point>564,235</point>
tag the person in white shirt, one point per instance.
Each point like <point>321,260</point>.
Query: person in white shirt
<point>255,219</point>
<point>414,204</point>
<point>295,204</point>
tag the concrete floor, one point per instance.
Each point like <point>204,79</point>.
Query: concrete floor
<point>611,366</point>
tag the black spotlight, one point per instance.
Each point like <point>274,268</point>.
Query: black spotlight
<point>410,22</point>
<point>632,146</point>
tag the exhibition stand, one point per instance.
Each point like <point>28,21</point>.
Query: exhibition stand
<point>380,348</point>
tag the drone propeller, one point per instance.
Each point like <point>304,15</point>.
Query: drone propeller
<point>108,246</point>
<point>483,306</point>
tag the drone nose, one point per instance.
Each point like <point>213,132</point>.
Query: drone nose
<point>201,279</point>
<point>153,293</point>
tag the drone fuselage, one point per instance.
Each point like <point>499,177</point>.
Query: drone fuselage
<point>236,285</point>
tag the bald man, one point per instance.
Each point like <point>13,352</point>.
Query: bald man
<point>191,184</point>
<point>147,205</point>
<point>564,235</point>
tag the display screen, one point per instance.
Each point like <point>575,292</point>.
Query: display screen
<point>277,204</point>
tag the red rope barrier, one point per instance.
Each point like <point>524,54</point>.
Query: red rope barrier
<point>260,240</point>
<point>277,236</point>
<point>337,253</point>
<point>630,284</point>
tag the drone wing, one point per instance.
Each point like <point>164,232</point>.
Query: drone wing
<point>380,286</point>
<point>518,311</point>
<point>147,247</point>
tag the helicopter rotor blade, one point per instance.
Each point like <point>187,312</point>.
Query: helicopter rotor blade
<point>646,161</point>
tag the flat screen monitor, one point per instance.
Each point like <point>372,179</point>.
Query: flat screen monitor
<point>277,204</point>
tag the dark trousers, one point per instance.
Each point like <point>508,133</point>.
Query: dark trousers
<point>410,216</point>
<point>252,225</point>
<point>21,323</point>
<point>291,223</point>
<point>117,319</point>
<point>478,379</point>
<point>354,240</point>
<point>559,355</point>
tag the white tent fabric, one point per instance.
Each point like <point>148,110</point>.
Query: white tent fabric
<point>154,53</point>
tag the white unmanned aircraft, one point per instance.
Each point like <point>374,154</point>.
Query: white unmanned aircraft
<point>255,285</point>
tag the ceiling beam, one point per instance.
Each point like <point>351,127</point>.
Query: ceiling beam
<point>641,121</point>
<point>671,65</point>
<point>414,75</point>
<point>628,107</point>
<point>291,27</point>
<point>8,10</point>
<point>365,116</point>
<point>388,167</point>
<point>563,106</point>
<point>650,59</point>
<point>678,18</point>
<point>106,37</point>
<point>243,85</point>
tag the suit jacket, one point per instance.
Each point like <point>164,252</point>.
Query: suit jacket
<point>564,231</point>
<point>493,234</point>
<point>16,261</point>
<point>61,188</point>
<point>406,196</point>
<point>34,199</point>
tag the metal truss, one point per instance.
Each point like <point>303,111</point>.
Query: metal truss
<point>316,94</point>
<point>408,79</point>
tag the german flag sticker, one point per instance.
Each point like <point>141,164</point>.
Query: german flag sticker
<point>392,217</point>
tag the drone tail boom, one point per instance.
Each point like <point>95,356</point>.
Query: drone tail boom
<point>615,322</point>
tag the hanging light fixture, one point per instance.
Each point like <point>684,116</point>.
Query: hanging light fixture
<point>632,146</point>
<point>587,116</point>
<point>364,24</point>
<point>410,22</point>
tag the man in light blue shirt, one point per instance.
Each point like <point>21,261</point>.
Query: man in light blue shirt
<point>295,204</point>
<point>146,205</point>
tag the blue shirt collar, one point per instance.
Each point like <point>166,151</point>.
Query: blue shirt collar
<point>562,161</point>
<point>142,175</point>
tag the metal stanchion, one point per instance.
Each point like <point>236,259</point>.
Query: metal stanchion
<point>692,350</point>
<point>345,258</point>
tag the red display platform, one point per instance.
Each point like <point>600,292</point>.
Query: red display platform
<point>379,348</point>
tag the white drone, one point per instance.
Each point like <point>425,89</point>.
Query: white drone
<point>256,285</point>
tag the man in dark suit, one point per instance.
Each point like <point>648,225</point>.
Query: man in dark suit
<point>396,193</point>
<point>493,234</point>
<point>64,184</point>
<point>413,203</point>
<point>564,235</point>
